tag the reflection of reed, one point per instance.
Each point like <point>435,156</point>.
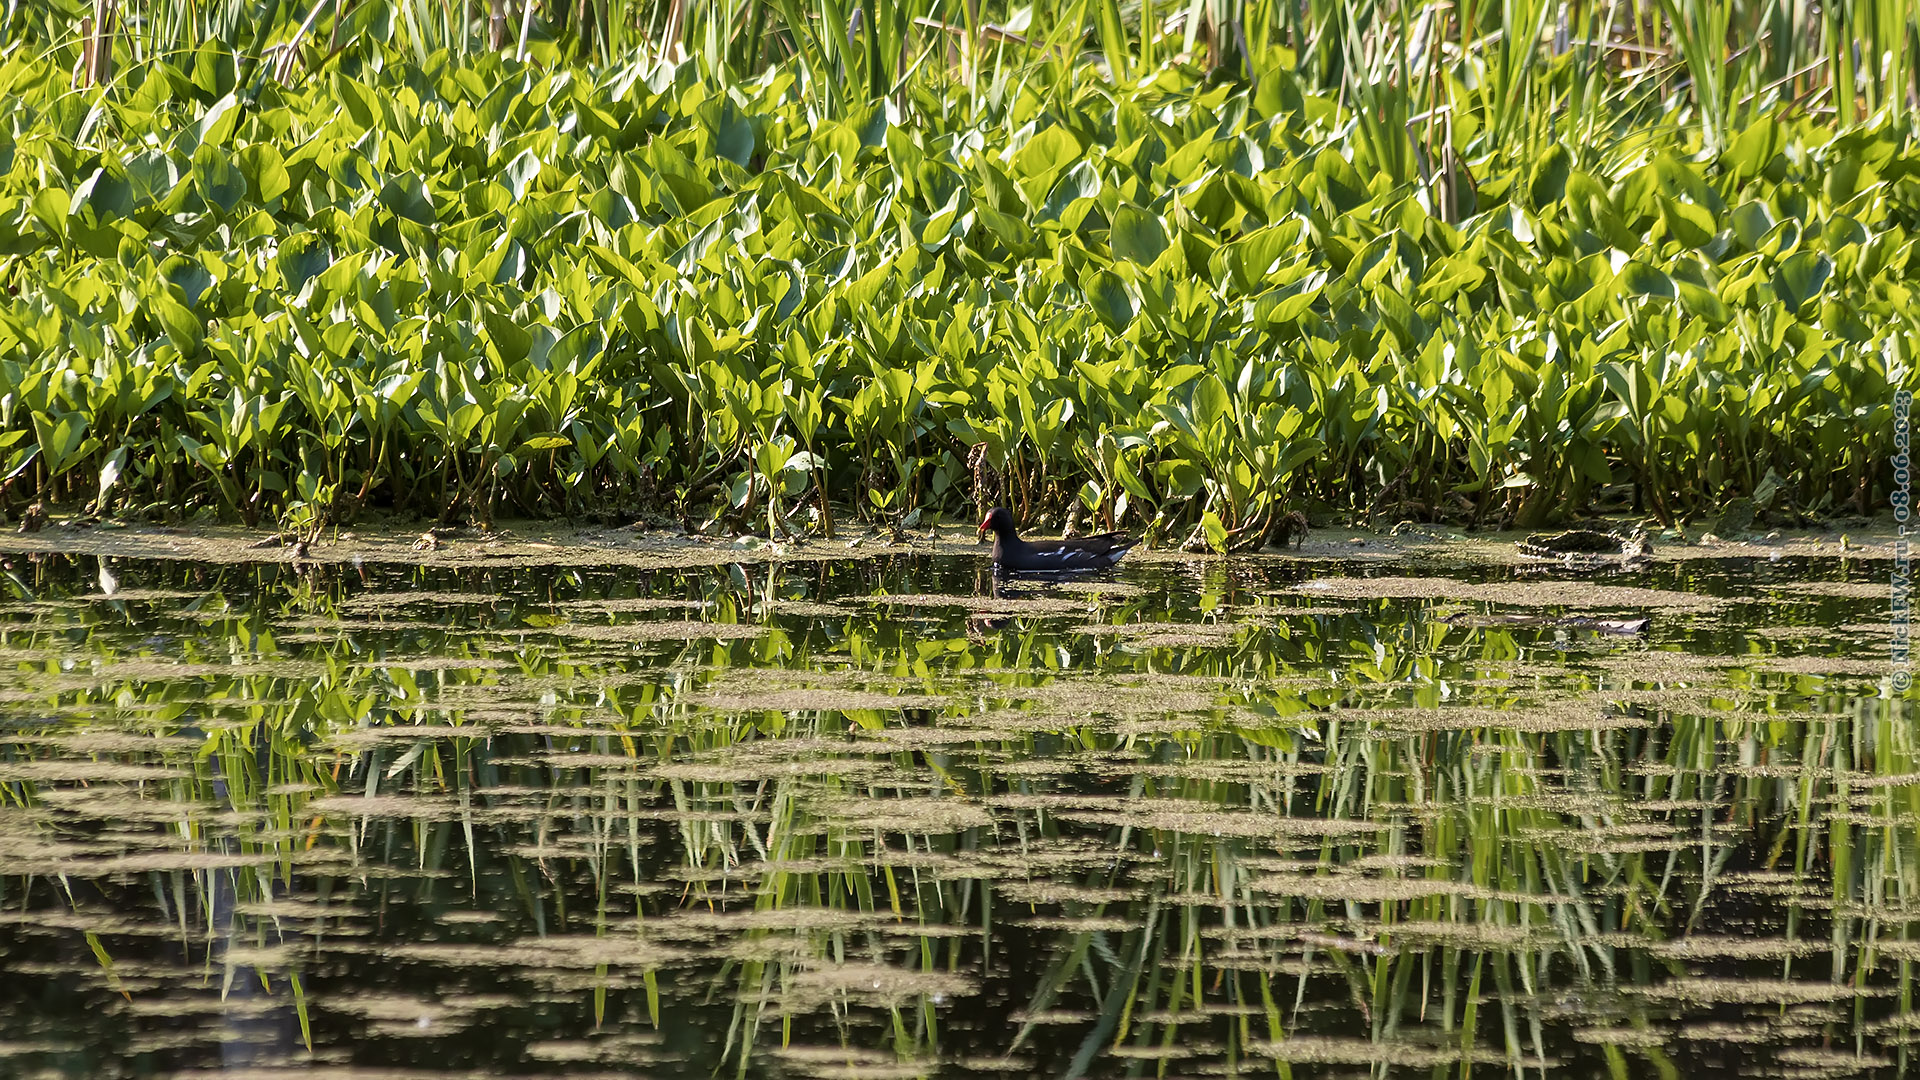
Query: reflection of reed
<point>1308,839</point>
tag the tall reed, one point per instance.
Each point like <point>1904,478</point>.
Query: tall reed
<point>1508,64</point>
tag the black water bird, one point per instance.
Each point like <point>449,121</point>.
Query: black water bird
<point>1014,555</point>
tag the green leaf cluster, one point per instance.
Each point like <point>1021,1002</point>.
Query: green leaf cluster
<point>466,283</point>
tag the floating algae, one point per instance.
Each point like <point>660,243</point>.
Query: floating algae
<point>1703,990</point>
<point>814,700</point>
<point>818,984</point>
<point>1358,889</point>
<point>658,630</point>
<point>1849,590</point>
<point>1325,1050</point>
<point>1622,1036</point>
<point>1556,716</point>
<point>388,601</point>
<point>1573,595</point>
<point>990,605</point>
<point>628,604</point>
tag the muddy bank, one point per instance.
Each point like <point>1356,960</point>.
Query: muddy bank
<point>548,543</point>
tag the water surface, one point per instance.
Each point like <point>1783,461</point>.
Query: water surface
<point>870,819</point>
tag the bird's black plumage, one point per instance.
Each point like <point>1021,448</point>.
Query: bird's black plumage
<point>1011,553</point>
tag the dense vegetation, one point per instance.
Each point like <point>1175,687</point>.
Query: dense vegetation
<point>1168,279</point>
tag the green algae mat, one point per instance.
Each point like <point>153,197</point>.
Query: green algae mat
<point>879,818</point>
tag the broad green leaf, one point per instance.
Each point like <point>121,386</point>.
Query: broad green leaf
<point>1752,221</point>
<point>521,173</point>
<point>1701,301</point>
<point>1047,152</point>
<point>265,171</point>
<point>217,124</point>
<point>1690,224</point>
<point>183,328</point>
<point>406,195</point>
<point>1800,278</point>
<point>1082,181</point>
<point>1638,279</point>
<point>1108,296</point>
<point>1137,236</point>
<point>302,257</point>
<point>1346,189</point>
<point>1549,181</point>
<point>1754,148</point>
<point>104,197</point>
<point>1215,531</point>
<point>217,179</point>
<point>51,206</point>
<point>734,139</point>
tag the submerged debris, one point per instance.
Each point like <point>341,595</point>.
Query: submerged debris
<point>1588,548</point>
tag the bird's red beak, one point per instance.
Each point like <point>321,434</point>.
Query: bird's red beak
<point>983,532</point>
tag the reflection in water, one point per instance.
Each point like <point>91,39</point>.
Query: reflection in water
<point>880,819</point>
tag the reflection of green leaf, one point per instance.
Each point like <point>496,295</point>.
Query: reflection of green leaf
<point>300,1004</point>
<point>106,964</point>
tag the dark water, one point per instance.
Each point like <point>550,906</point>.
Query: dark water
<point>866,820</point>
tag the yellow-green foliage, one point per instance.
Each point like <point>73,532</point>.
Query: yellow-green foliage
<point>462,282</point>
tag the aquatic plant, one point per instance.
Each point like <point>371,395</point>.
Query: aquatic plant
<point>1503,282</point>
